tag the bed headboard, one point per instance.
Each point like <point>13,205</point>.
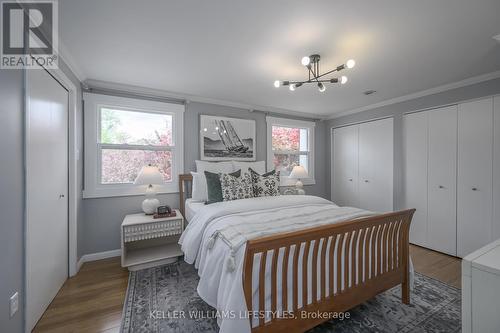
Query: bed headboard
<point>185,190</point>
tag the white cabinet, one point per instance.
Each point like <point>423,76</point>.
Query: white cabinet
<point>475,175</point>
<point>345,171</point>
<point>481,290</point>
<point>363,165</point>
<point>376,163</point>
<point>442,179</point>
<point>415,129</point>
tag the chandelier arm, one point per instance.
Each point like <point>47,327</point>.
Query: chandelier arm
<point>329,72</point>
<point>314,75</point>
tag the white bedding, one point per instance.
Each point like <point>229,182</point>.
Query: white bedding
<point>192,207</point>
<point>220,285</point>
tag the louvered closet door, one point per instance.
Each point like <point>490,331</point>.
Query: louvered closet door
<point>376,151</point>
<point>442,166</point>
<point>475,169</point>
<point>415,184</point>
<point>345,166</point>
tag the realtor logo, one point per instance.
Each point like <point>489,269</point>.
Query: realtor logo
<point>29,34</point>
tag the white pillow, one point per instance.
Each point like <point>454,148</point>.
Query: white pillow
<point>200,192</point>
<point>199,189</point>
<point>259,166</point>
<point>216,167</point>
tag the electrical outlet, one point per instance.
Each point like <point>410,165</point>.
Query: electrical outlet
<point>14,304</point>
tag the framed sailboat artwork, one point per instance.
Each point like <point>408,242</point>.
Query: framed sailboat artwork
<point>223,138</point>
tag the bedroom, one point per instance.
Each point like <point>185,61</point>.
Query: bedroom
<point>362,137</point>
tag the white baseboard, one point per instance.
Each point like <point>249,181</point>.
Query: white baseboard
<point>98,256</point>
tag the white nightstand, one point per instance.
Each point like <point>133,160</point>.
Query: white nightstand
<point>148,242</point>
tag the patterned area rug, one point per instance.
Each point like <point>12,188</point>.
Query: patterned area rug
<point>170,289</point>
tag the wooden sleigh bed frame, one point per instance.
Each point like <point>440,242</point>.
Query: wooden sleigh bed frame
<point>374,250</point>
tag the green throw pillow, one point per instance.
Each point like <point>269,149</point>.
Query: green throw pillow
<point>213,186</point>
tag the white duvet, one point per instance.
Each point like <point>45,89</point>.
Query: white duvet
<point>220,262</point>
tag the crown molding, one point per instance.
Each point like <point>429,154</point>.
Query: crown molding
<point>110,87</point>
<point>423,93</point>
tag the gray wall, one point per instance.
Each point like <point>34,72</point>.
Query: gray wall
<point>102,217</point>
<point>11,196</point>
<point>478,90</point>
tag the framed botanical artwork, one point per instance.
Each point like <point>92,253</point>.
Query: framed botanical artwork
<point>223,139</point>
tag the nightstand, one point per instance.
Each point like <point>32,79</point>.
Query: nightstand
<point>148,242</point>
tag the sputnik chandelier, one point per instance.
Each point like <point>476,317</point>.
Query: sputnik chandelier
<point>312,64</point>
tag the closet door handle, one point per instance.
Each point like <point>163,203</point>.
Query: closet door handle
<point>367,181</point>
<point>350,179</point>
<point>441,186</point>
<point>474,188</point>
<point>61,196</point>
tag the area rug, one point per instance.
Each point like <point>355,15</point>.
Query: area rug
<point>171,289</point>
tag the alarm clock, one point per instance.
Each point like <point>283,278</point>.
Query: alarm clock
<point>164,210</point>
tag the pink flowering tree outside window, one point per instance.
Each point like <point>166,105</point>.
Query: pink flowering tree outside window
<point>130,140</point>
<point>289,148</point>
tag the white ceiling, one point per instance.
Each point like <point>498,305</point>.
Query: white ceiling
<point>233,50</point>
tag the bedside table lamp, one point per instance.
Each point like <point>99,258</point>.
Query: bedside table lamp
<point>299,172</point>
<point>149,175</point>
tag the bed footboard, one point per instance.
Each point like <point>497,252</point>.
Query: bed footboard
<point>347,263</point>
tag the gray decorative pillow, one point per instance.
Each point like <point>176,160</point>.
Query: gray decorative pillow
<point>234,188</point>
<point>213,186</point>
<point>265,185</point>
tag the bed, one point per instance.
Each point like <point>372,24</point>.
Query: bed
<point>250,258</point>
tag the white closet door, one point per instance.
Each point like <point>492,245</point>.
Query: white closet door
<point>376,162</point>
<point>46,192</point>
<point>475,180</point>
<point>345,166</point>
<point>496,170</point>
<point>442,166</point>
<point>415,183</point>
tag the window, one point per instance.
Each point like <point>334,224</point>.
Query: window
<point>290,143</point>
<point>122,135</point>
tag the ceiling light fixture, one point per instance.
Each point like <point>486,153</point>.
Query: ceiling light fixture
<point>312,64</point>
<point>497,38</point>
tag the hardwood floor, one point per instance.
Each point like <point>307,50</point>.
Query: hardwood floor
<point>437,265</point>
<point>92,301</point>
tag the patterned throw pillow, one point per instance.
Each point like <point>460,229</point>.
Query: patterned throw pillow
<point>265,185</point>
<point>234,188</point>
<point>214,188</point>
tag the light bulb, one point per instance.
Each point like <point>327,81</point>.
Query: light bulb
<point>343,79</point>
<point>277,83</point>
<point>292,87</point>
<point>321,87</point>
<point>350,63</point>
<point>306,61</point>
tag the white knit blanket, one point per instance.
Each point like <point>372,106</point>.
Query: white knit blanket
<point>280,220</point>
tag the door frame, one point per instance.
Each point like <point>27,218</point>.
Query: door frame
<point>73,191</point>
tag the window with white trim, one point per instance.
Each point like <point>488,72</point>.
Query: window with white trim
<point>122,135</point>
<point>290,143</point>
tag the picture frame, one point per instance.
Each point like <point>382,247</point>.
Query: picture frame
<point>226,138</point>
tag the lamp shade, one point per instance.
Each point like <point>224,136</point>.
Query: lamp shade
<point>149,175</point>
<point>299,172</point>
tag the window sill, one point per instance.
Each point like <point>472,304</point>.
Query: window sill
<point>112,193</point>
